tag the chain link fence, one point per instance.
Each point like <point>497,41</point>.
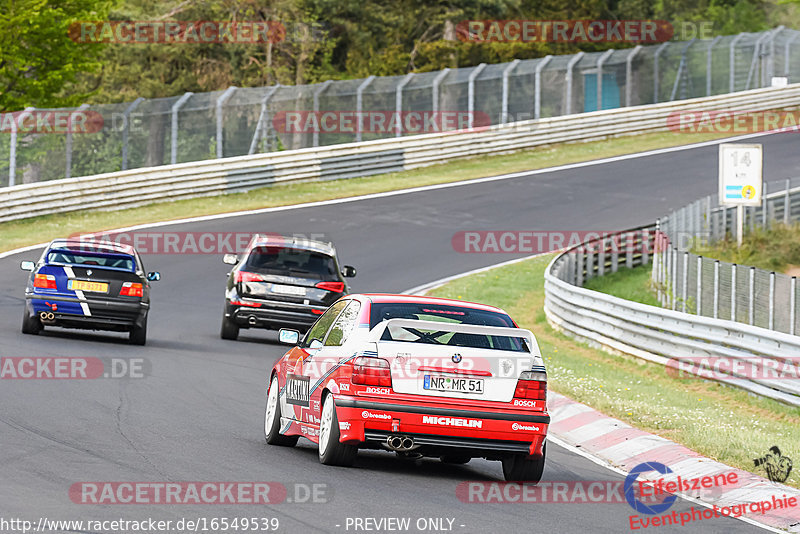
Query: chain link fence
<point>241,121</point>
<point>690,283</point>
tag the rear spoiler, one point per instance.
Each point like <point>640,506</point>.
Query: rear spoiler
<point>376,333</point>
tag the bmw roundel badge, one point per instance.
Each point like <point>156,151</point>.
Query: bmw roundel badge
<point>456,358</point>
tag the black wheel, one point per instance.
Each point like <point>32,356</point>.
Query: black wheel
<point>138,335</point>
<point>331,450</point>
<point>455,459</point>
<point>272,418</point>
<point>229,330</point>
<point>522,468</point>
<point>31,325</point>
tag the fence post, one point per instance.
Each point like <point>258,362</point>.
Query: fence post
<point>645,246</point>
<point>772,301</point>
<point>685,281</point>
<point>681,67</point>
<point>602,59</point>
<point>751,312</point>
<point>471,94</point>
<point>699,303</point>
<point>537,77</point>
<point>629,74</point>
<point>792,304</point>
<point>506,73</point>
<point>658,53</point>
<point>398,102</point>
<point>733,292</point>
<point>568,104</point>
<point>708,64</point>
<point>12,152</point>
<point>787,208</point>
<point>68,147</point>
<point>173,158</point>
<point>601,258</point>
<point>579,268</point>
<point>221,102</point>
<point>435,89</point>
<point>756,56</point>
<point>787,52</point>
<point>764,206</point>
<point>716,289</point>
<point>262,126</point>
<point>317,92</point>
<point>360,105</point>
<point>732,63</point>
<point>126,129</point>
<point>615,244</point>
<point>674,277</point>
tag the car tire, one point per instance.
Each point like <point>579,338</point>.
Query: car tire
<point>229,329</point>
<point>31,325</point>
<point>455,459</point>
<point>331,450</point>
<point>523,468</point>
<point>138,335</point>
<point>272,418</point>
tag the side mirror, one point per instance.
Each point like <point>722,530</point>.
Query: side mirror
<point>27,266</point>
<point>349,271</point>
<point>155,276</point>
<point>230,259</point>
<point>288,337</point>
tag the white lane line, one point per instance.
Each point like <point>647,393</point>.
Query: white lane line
<point>411,190</point>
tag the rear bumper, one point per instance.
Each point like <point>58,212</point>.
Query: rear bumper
<point>439,429</point>
<point>273,314</point>
<point>92,314</point>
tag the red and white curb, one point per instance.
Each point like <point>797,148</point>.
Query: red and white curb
<point>624,447</point>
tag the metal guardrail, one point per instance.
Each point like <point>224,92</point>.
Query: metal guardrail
<point>211,177</point>
<point>658,335</point>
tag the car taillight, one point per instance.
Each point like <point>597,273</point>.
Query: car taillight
<point>370,371</point>
<point>131,289</point>
<point>531,385</point>
<point>244,276</point>
<point>44,281</point>
<point>336,287</point>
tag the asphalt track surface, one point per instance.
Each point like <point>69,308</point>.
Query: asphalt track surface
<point>198,414</point>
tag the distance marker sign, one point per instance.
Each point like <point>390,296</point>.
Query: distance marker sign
<point>740,174</point>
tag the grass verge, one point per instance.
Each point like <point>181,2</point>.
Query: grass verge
<point>629,284</point>
<point>723,423</point>
<point>16,234</point>
<point>774,249</point>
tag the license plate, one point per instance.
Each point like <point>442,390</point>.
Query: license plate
<point>453,384</point>
<point>288,290</point>
<point>83,285</point>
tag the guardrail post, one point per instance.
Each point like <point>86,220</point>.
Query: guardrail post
<point>658,53</point>
<point>733,292</point>
<point>435,89</point>
<point>262,126</point>
<point>589,262</point>
<point>772,301</point>
<point>221,102</point>
<point>787,208</point>
<point>699,304</point>
<point>360,105</point>
<point>504,107</point>
<point>685,281</point>
<point>601,258</point>
<point>568,104</point>
<point>12,149</point>
<point>602,59</point>
<point>629,243</point>
<point>629,74</point>
<point>732,63</point>
<point>752,297</point>
<point>708,64</point>
<point>471,93</point>
<point>317,92</point>
<point>792,304</point>
<point>68,147</point>
<point>716,289</point>
<point>579,268</point>
<point>398,102</point>
<point>173,158</point>
<point>615,244</point>
<point>537,77</point>
<point>126,129</point>
<point>673,289</point>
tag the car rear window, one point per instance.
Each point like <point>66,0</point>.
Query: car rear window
<point>108,261</point>
<point>292,262</point>
<point>447,314</point>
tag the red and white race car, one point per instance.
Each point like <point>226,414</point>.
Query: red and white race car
<point>419,376</point>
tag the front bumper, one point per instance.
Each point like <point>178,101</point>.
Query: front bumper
<point>439,429</point>
<point>91,314</point>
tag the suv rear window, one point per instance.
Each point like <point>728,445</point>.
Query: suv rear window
<point>291,261</point>
<point>447,314</point>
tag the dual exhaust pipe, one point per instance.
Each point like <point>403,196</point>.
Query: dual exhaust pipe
<point>400,443</point>
<point>47,317</point>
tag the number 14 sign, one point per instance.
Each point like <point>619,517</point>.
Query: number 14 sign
<point>740,174</point>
